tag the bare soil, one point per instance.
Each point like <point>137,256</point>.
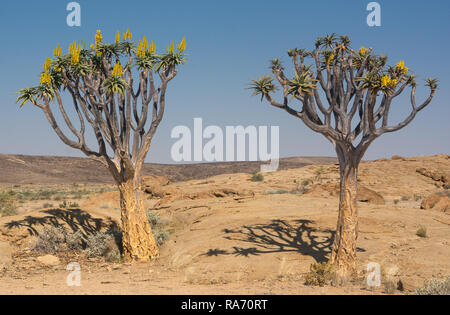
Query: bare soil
<point>230,235</point>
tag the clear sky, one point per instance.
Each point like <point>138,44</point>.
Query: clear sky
<point>228,43</point>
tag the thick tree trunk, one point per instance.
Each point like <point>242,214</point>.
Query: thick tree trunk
<point>137,237</point>
<point>343,255</point>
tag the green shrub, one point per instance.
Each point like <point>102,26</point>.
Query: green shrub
<point>276,192</point>
<point>320,274</point>
<point>160,236</point>
<point>47,205</point>
<point>435,287</point>
<point>53,240</point>
<point>422,232</point>
<point>257,177</point>
<point>153,218</point>
<point>405,198</point>
<point>103,245</point>
<point>7,203</point>
<point>68,205</point>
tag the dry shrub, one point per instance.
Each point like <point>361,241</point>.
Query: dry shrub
<point>53,240</point>
<point>7,204</point>
<point>435,287</point>
<point>320,274</point>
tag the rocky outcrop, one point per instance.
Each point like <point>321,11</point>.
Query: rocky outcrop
<point>438,176</point>
<point>364,194</point>
<point>437,202</point>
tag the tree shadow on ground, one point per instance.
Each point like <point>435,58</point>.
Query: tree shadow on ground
<point>280,236</point>
<point>68,219</point>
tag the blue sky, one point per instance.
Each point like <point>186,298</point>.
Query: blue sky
<point>229,43</point>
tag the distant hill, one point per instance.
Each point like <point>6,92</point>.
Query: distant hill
<point>28,169</point>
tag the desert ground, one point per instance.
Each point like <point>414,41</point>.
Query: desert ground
<point>230,233</point>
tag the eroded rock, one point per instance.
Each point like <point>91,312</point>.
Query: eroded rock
<point>438,202</point>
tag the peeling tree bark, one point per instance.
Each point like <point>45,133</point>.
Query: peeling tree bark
<point>137,240</point>
<point>343,253</point>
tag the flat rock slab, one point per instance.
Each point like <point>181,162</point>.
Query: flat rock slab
<point>48,260</point>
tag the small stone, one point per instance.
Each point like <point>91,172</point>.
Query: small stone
<point>48,260</point>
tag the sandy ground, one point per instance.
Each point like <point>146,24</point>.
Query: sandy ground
<point>230,235</point>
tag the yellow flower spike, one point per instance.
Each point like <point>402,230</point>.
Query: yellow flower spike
<point>363,50</point>
<point>98,37</point>
<point>167,48</point>
<point>127,35</point>
<point>117,70</point>
<point>47,64</point>
<point>56,52</point>
<point>139,49</point>
<point>171,47</point>
<point>384,81</point>
<point>92,46</point>
<point>117,37</point>
<point>145,42</point>
<point>151,47</point>
<point>401,64</point>
<point>183,44</point>
<point>46,78</point>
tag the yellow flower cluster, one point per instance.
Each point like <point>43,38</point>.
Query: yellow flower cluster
<point>127,35</point>
<point>170,50</point>
<point>57,51</point>
<point>46,78</point>
<point>181,46</point>
<point>330,60</point>
<point>47,64</point>
<point>387,82</point>
<point>402,68</point>
<point>117,70</point>
<point>74,51</point>
<point>142,47</point>
<point>363,50</point>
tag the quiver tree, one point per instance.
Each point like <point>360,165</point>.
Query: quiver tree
<point>346,96</point>
<point>118,90</point>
